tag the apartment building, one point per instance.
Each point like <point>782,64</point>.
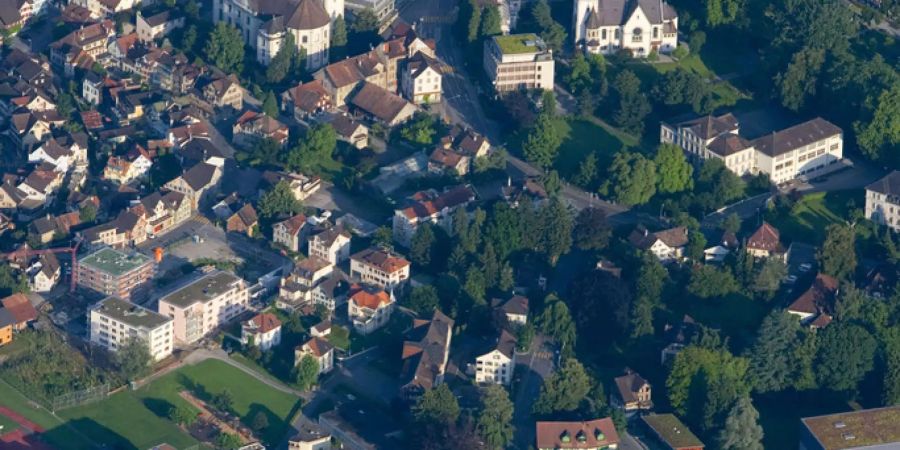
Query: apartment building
<point>518,61</point>
<point>883,201</point>
<point>198,308</point>
<point>332,245</point>
<point>369,308</point>
<point>114,272</point>
<point>113,322</point>
<point>429,207</point>
<point>379,267</point>
<point>497,365</point>
<point>810,149</point>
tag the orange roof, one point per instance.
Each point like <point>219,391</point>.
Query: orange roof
<point>765,238</point>
<point>265,322</point>
<point>381,259</point>
<point>20,308</point>
<point>369,298</point>
<point>564,435</point>
<point>317,346</point>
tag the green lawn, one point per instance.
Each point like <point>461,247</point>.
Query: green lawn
<point>736,315</point>
<point>113,420</point>
<point>58,433</point>
<point>583,137</point>
<point>7,425</point>
<point>339,337</point>
<point>814,212</point>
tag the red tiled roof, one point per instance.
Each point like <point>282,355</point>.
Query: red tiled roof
<point>369,298</point>
<point>266,322</point>
<point>428,204</point>
<point>317,346</point>
<point>20,308</point>
<point>576,435</point>
<point>766,238</point>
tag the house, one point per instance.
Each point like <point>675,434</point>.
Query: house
<point>429,207</point>
<point>369,308</point>
<point>81,48</point>
<point>671,433</point>
<point>530,189</point>
<point>641,27</point>
<point>318,348</point>
<point>666,245</point>
<point>296,288</point>
<point>448,161</point>
<point>596,434</point>
<point>264,26</point>
<point>719,245</point>
<point>321,329</point>
<point>512,311</point>
<point>162,211</point>
<point>310,437</point>
<point>197,184</point>
<point>290,233</point>
<point>252,127</point>
<point>678,336</point>
<point>44,273</point>
<point>243,221</point>
<point>379,267</point>
<point>632,393</point>
<point>114,322</point>
<point>301,185</point>
<point>332,245</point>
<point>150,28</point>
<point>881,280</point>
<point>127,229</point>
<point>517,62</point>
<point>13,14</point>
<point>808,150</point>
<point>27,129</point>
<point>224,90</point>
<point>765,242</point>
<point>214,299</point>
<point>874,428</point>
<point>353,132</point>
<point>381,105</point>
<point>421,80</point>
<point>307,100</point>
<point>262,330</point>
<point>883,201</point>
<point>21,311</point>
<point>199,149</point>
<point>497,365</point>
<point>815,307</point>
<point>133,165</point>
<point>47,229</point>
<point>425,354</point>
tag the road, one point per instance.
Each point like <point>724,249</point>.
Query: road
<point>534,366</point>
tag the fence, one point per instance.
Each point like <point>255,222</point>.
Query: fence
<point>81,397</point>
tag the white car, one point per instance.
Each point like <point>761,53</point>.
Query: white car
<point>791,279</point>
<point>805,267</point>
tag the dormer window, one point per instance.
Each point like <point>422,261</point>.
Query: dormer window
<point>565,437</point>
<point>581,436</point>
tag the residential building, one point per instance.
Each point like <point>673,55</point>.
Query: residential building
<point>150,28</point>
<point>666,245</point>
<point>429,207</point>
<point>350,131</point>
<point>867,429</point>
<point>133,165</point>
<point>497,365</point>
<point>381,105</point>
<point>44,273</point>
<point>310,437</point>
<point>379,267</point>
<point>421,79</point>
<point>632,393</point>
<point>313,281</point>
<point>197,184</point>
<point>321,329</point>
<point>425,354</point>
<point>114,322</point>
<point>447,161</point>
<point>307,100</point>
<point>883,201</point>
<point>517,62</point>
<point>252,127</point>
<point>816,306</point>
<point>765,242</point>
<point>291,232</point>
<point>214,299</point>
<point>641,27</point>
<point>596,434</point>
<point>262,330</point>
<point>513,311</point>
<point>6,327</point>
<point>810,149</point>
<point>265,26</point>
<point>332,245</point>
<point>21,311</point>
<point>224,90</point>
<point>162,211</point>
<point>243,221</point>
<point>301,185</point>
<point>116,273</point>
<point>385,10</point>
<point>82,47</point>
<point>369,308</point>
<point>671,433</point>
<point>318,348</point>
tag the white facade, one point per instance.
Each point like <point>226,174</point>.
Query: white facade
<point>640,26</point>
<point>203,305</point>
<point>516,62</point>
<point>494,368</point>
<point>113,322</point>
<point>264,331</point>
<point>883,201</point>
<point>369,311</point>
<point>332,246</point>
<point>385,276</point>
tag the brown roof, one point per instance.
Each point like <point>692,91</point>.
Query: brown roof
<point>367,297</point>
<point>309,96</point>
<point>889,185</point>
<point>308,15</point>
<point>294,224</point>
<point>317,346</point>
<point>427,203</point>
<point>383,259</point>
<point>516,305</point>
<point>506,343</point>
<point>353,70</point>
<point>708,127</point>
<point>728,144</point>
<point>629,385</point>
<point>344,126</point>
<point>819,298</point>
<point>797,136</point>
<point>673,237</point>
<point>379,102</point>
<point>869,428</point>
<point>425,352</point>
<point>592,434</point>
<point>20,307</point>
<point>766,238</point>
<point>445,157</point>
<point>247,215</point>
<point>200,176</point>
<point>265,322</point>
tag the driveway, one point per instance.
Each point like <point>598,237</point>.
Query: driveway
<point>533,367</point>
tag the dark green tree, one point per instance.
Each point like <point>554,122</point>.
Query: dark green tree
<point>364,21</point>
<point>223,401</point>
<point>846,354</point>
<point>424,300</point>
<point>837,256</point>
<point>87,213</point>
<point>225,48</point>
<point>437,406</point>
<point>307,373</point>
<point>282,64</point>
<point>742,430</point>
<point>586,177</point>
<point>317,148</point>
<point>774,361</point>
<point>632,178</point>
<point>557,230</point>
<point>182,415</point>
<point>709,282</point>
<point>134,359</point>
<point>279,201</point>
<point>339,33</point>
<point>556,321</point>
<point>541,145</point>
<point>564,390</point>
<point>592,231</point>
<point>228,441</point>
<point>630,104</point>
<point>495,418</point>
<point>420,245</point>
<point>490,21</point>
<point>260,421</point>
<point>769,276</point>
<point>270,105</point>
<point>674,173</point>
<point>695,246</point>
<point>704,383</point>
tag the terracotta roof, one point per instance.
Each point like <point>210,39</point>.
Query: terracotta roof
<point>797,136</point>
<point>445,157</point>
<point>345,126</point>
<point>20,307</point>
<point>92,119</point>
<point>368,297</point>
<point>379,102</point>
<point>819,298</point>
<point>247,215</point>
<point>317,346</point>
<point>766,238</point>
<point>264,322</point>
<point>427,203</point>
<point>382,259</point>
<point>294,224</point>
<point>598,433</point>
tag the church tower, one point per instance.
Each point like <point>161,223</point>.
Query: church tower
<point>334,8</point>
<point>579,17</point>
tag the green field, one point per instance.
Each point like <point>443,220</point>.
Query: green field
<point>7,425</point>
<point>814,212</point>
<point>57,432</point>
<point>112,420</point>
<point>583,137</point>
<point>339,337</point>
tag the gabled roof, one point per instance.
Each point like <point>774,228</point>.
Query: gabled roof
<point>247,215</point>
<point>889,185</point>
<point>382,259</point>
<point>617,12</point>
<point>766,238</point>
<point>262,323</point>
<point>673,237</point>
<point>420,62</point>
<point>317,346</point>
<point>200,176</point>
<point>308,15</point>
<point>728,144</point>
<point>600,433</point>
<point>329,236</point>
<point>628,385</point>
<point>369,297</point>
<point>425,351</point>
<point>427,203</point>
<point>309,96</point>
<point>819,298</point>
<point>20,307</point>
<point>379,102</point>
<point>506,344</point>
<point>293,224</point>
<point>517,305</point>
<point>780,142</point>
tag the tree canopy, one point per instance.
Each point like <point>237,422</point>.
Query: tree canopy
<point>225,47</point>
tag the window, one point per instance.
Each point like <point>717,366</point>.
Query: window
<point>655,32</point>
<point>637,35</point>
<point>603,34</point>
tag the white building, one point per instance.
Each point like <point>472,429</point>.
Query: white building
<point>369,308</point>
<point>810,149</point>
<point>422,78</point>
<point>332,245</point>
<point>379,267</point>
<point>263,331</point>
<point>641,26</point>
<point>200,307</point>
<point>883,201</point>
<point>113,322</point>
<point>666,245</point>
<point>318,348</point>
<point>518,61</point>
<point>265,24</point>
<point>429,207</point>
<point>497,365</point>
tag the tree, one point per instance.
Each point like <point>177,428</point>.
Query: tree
<point>524,337</point>
<point>339,32</point>
<point>632,178</point>
<point>270,105</point>
<point>280,200</point>
<point>742,430</point>
<point>307,373</point>
<point>774,360</point>
<point>542,143</point>
<point>223,401</point>
<point>280,66</point>
<point>420,245</point>
<point>556,321</point>
<point>564,390</point>
<point>423,299</point>
<point>674,173</point>
<point>552,183</point>
<point>704,383</point>
<point>587,172</point>
<point>260,421</point>
<point>316,149</point>
<point>592,231</point>
<point>420,130</point>
<point>708,282</point>
<point>557,230</point>
<point>228,441</point>
<point>882,132</point>
<point>365,21</point>
<point>551,31</point>
<point>490,21</point>
<point>507,277</point>
<point>768,278</point>
<point>183,416</point>
<point>631,105</point>
<point>383,237</point>
<point>891,392</point>
<point>134,358</point>
<point>495,418</point>
<point>798,82</point>
<point>473,22</point>
<point>225,48</point>
<point>437,406</point>
<point>838,254</point>
<point>846,354</point>
<point>731,223</point>
<point>192,9</point>
<point>475,285</point>
<point>87,213</point>
<point>648,292</point>
<point>695,246</point>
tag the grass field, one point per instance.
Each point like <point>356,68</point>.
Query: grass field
<point>57,432</point>
<point>814,212</point>
<point>583,137</point>
<point>736,315</point>
<point>112,420</point>
<point>339,337</point>
<point>7,425</point>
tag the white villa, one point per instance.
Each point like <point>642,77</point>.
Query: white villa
<point>641,26</point>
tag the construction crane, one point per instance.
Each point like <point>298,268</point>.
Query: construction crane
<point>27,252</point>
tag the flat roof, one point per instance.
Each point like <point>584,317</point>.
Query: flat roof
<point>856,429</point>
<point>114,262</point>
<point>129,313</point>
<point>672,431</point>
<point>513,44</point>
<point>203,289</point>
